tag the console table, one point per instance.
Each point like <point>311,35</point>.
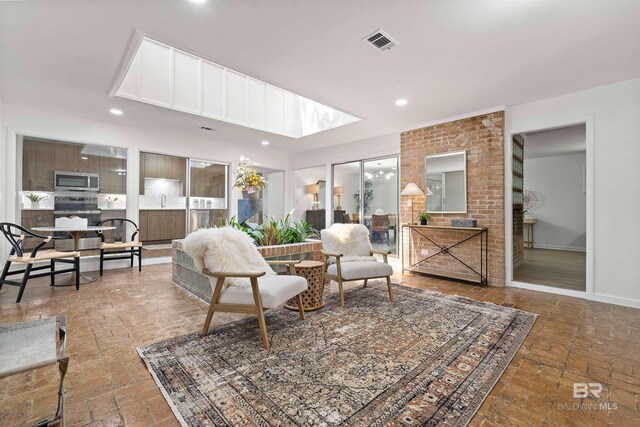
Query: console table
<point>422,265</point>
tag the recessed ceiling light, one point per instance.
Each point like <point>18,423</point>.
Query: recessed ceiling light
<point>198,1</point>
<point>400,102</point>
<point>115,112</point>
<point>84,158</point>
<point>265,142</point>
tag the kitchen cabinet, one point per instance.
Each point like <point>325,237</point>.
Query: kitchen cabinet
<point>113,179</point>
<point>162,225</point>
<point>38,165</point>
<point>36,218</point>
<point>209,181</point>
<point>69,158</point>
<point>160,166</point>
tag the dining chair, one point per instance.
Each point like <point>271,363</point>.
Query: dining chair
<point>16,235</point>
<point>380,225</point>
<point>119,248</point>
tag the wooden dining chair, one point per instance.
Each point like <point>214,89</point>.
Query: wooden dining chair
<point>16,235</point>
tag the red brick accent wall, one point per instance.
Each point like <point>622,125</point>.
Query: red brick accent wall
<point>482,138</point>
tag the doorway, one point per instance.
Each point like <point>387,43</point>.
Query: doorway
<point>366,192</point>
<point>550,208</point>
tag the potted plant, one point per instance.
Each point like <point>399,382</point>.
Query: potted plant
<point>248,180</point>
<point>424,217</point>
<point>34,199</point>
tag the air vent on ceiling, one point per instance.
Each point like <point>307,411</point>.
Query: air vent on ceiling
<point>380,41</point>
<point>207,128</point>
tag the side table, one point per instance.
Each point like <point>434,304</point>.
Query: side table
<point>313,271</point>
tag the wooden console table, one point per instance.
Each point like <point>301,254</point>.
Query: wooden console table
<point>420,266</point>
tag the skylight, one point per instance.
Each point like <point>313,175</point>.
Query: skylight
<point>162,75</point>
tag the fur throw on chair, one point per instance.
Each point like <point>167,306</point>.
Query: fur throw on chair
<point>351,240</point>
<point>225,249</point>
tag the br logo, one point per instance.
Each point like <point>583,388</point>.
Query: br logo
<point>582,390</point>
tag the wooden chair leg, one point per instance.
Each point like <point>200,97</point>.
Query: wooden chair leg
<point>300,309</point>
<point>101,261</point>
<point>341,291</point>
<point>139,259</point>
<point>214,301</point>
<point>365,283</point>
<point>261,321</point>
<point>389,286</point>
<point>53,269</point>
<point>25,279</point>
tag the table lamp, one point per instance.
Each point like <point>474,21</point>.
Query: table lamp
<point>314,189</point>
<point>412,189</point>
<point>338,191</point>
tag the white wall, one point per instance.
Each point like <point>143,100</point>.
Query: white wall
<point>27,121</point>
<point>559,182</point>
<point>615,111</point>
<point>275,195</point>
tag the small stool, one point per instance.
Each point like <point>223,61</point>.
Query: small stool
<point>313,271</point>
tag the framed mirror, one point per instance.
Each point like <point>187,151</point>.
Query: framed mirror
<point>446,177</point>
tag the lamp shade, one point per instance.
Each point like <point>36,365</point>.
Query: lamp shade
<point>412,189</point>
<point>338,191</point>
<point>313,189</point>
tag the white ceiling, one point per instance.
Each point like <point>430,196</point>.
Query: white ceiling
<point>555,142</point>
<point>452,58</point>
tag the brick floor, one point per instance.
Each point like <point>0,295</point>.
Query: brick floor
<point>107,383</point>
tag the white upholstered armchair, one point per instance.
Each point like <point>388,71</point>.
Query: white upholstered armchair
<point>348,256</point>
<point>242,281</point>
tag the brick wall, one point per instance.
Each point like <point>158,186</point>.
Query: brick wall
<point>482,138</point>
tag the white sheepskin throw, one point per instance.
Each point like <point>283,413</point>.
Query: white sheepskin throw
<point>227,250</point>
<point>351,240</point>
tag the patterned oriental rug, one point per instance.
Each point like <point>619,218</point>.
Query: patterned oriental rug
<point>424,359</point>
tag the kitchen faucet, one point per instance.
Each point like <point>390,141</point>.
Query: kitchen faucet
<point>163,201</point>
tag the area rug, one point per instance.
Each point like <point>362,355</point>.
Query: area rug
<point>423,359</point>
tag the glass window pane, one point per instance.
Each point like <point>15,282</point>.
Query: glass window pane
<point>381,202</point>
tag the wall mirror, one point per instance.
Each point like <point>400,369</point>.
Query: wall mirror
<point>446,177</point>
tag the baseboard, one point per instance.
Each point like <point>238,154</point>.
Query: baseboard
<point>547,289</point>
<point>560,248</point>
<point>614,300</point>
<point>577,294</point>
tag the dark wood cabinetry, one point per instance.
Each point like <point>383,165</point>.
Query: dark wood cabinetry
<point>36,218</point>
<point>40,160</point>
<point>38,165</point>
<point>162,225</point>
<point>209,181</point>
<point>69,158</point>
<point>113,179</point>
<point>161,166</point>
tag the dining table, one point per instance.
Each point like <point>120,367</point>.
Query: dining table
<point>76,233</point>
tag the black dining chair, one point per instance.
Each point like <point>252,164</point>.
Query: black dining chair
<point>16,236</point>
<point>119,248</point>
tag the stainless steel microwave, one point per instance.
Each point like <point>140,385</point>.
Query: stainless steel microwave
<point>76,181</point>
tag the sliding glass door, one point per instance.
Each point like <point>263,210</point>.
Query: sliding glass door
<point>366,192</point>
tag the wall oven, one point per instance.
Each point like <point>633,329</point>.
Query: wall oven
<point>76,181</point>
